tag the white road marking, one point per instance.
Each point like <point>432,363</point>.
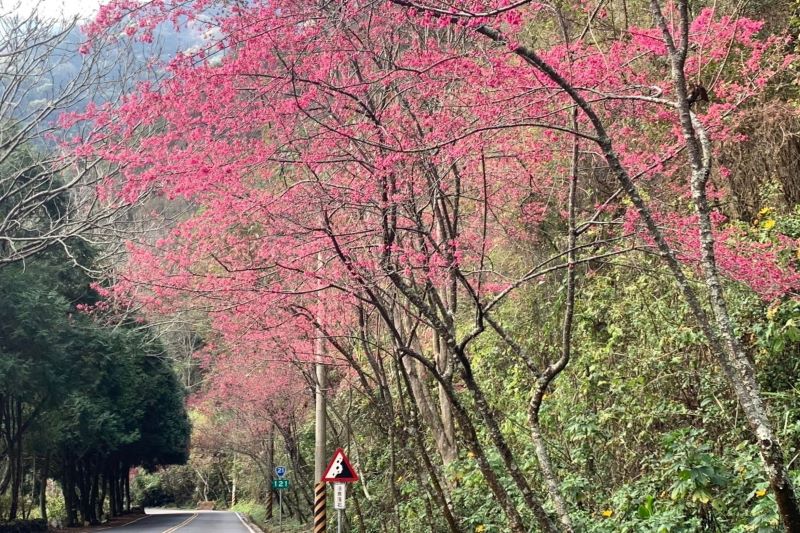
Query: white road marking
<point>250,529</point>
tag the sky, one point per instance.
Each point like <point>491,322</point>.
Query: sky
<point>55,8</point>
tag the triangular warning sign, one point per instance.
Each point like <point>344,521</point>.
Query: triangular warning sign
<point>339,469</point>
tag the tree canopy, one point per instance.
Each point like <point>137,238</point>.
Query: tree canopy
<point>83,400</point>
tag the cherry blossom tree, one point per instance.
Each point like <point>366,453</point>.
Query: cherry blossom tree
<point>399,161</point>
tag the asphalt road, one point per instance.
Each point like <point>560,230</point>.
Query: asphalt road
<point>186,522</point>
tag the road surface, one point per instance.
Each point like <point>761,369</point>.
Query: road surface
<point>185,522</point>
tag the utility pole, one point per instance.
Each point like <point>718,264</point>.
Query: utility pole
<point>233,480</point>
<point>321,421</point>
<point>320,519</point>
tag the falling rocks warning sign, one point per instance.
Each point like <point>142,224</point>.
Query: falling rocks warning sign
<point>339,469</point>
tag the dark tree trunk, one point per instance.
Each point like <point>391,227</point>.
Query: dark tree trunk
<point>270,467</point>
<point>68,488</point>
<point>298,462</point>
<point>120,490</point>
<point>127,475</point>
<point>16,458</point>
<point>436,488</point>
<point>43,487</point>
<point>112,489</point>
<point>84,489</point>
<point>101,503</point>
<point>95,514</point>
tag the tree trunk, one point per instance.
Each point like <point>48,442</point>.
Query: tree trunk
<point>554,369</point>
<point>515,523</point>
<point>127,489</point>
<point>120,489</point>
<point>392,479</point>
<point>740,371</point>
<point>359,514</point>
<point>734,361</point>
<point>84,496</point>
<point>490,418</point>
<point>270,469</point>
<point>735,370</point>
<point>96,511</point>
<point>101,499</point>
<point>16,459</point>
<point>68,488</point>
<point>43,487</point>
<point>446,442</point>
<point>438,491</point>
<point>440,422</point>
<point>5,480</point>
<point>112,489</point>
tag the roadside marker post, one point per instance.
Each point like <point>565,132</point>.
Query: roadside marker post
<point>320,518</point>
<point>339,472</point>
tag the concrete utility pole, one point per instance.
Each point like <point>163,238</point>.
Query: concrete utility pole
<point>233,480</point>
<point>320,459</point>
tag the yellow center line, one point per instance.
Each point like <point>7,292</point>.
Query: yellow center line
<point>133,521</point>
<point>176,528</point>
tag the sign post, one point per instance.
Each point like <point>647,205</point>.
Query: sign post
<point>339,472</point>
<point>280,485</point>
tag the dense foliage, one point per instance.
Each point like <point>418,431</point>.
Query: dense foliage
<point>82,402</point>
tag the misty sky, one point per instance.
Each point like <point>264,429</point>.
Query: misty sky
<point>54,8</point>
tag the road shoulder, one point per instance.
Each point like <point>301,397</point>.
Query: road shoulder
<point>116,521</point>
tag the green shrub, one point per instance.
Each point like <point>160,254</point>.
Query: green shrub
<point>148,491</point>
<point>256,511</point>
<point>56,508</point>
